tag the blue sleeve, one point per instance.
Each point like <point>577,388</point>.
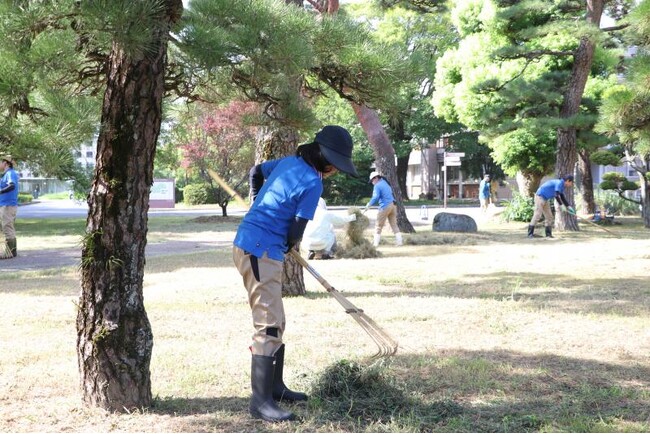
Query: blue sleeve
<point>375,195</point>
<point>268,166</point>
<point>309,201</point>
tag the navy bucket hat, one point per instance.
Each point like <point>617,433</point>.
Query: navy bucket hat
<point>336,146</point>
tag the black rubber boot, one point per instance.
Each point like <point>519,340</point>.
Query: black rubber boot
<point>280,391</point>
<point>262,405</point>
<point>531,231</point>
<point>11,242</point>
<point>549,232</point>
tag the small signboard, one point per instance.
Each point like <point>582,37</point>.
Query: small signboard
<point>163,194</point>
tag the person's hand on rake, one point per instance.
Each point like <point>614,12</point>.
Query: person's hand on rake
<point>568,209</point>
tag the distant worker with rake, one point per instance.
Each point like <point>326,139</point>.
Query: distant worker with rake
<point>8,204</point>
<point>285,194</point>
<point>545,193</point>
<point>382,194</point>
<point>485,192</point>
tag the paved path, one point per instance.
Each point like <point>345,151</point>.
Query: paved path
<point>58,258</point>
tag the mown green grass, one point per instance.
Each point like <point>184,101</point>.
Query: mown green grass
<point>497,333</point>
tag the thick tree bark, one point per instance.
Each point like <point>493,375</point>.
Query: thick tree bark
<point>384,158</point>
<point>528,183</point>
<point>402,172</point>
<point>566,137</point>
<point>114,337</point>
<point>645,201</point>
<point>587,182</point>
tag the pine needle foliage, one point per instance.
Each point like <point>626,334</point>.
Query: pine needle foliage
<point>264,47</point>
<point>130,24</point>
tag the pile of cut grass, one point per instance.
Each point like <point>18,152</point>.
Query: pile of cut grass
<point>367,395</point>
<point>355,245</point>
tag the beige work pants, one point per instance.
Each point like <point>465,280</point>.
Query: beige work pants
<point>8,218</point>
<point>542,207</point>
<point>389,213</point>
<point>263,281</point>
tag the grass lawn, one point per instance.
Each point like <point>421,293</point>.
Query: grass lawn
<point>497,333</point>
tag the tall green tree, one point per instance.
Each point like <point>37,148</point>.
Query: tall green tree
<point>114,336</point>
<point>324,54</point>
<point>61,58</point>
<point>520,74</point>
<point>421,38</point>
<point>625,114</point>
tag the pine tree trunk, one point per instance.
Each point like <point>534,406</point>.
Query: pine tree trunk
<point>278,143</point>
<point>384,158</point>
<point>528,183</point>
<point>587,182</point>
<point>645,198</point>
<point>114,337</point>
<point>566,136</point>
<point>402,172</point>
<point>382,148</point>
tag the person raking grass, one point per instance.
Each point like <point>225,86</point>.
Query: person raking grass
<point>8,203</point>
<point>382,194</point>
<point>545,193</point>
<point>285,194</point>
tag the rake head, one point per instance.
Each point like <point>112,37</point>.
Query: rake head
<point>387,345</point>
<point>5,251</point>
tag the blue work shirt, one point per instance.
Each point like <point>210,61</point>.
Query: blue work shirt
<point>382,193</point>
<point>291,189</point>
<point>10,198</point>
<point>484,189</point>
<point>549,188</point>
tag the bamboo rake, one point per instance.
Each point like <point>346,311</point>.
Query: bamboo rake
<point>595,224</point>
<point>387,345</point>
<point>5,251</point>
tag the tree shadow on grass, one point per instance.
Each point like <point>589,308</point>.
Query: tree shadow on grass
<point>451,391</point>
<point>221,414</point>
<point>507,391</point>
<point>625,297</point>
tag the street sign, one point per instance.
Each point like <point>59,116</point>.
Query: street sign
<point>454,154</point>
<point>452,162</point>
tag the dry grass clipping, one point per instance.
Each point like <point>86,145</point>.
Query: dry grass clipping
<point>368,393</point>
<point>437,239</point>
<point>355,245</point>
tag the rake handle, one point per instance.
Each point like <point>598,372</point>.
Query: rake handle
<point>594,224</point>
<point>387,345</point>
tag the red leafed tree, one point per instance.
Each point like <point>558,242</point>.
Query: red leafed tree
<point>222,140</point>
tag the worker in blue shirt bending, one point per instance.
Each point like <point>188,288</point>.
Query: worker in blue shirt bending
<point>545,193</point>
<point>285,194</point>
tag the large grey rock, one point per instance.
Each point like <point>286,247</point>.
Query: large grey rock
<point>448,222</point>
